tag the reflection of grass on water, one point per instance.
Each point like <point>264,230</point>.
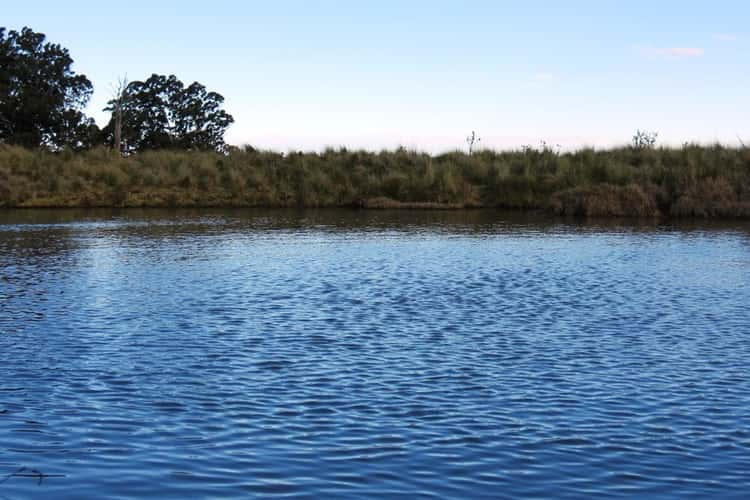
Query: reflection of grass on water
<point>693,180</point>
<point>33,473</point>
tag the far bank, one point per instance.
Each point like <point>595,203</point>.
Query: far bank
<point>692,181</point>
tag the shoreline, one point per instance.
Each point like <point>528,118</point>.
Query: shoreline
<point>709,182</point>
<point>370,205</point>
<point>377,207</point>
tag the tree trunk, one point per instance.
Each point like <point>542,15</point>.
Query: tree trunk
<point>118,128</point>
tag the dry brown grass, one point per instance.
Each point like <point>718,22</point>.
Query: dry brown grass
<point>695,181</point>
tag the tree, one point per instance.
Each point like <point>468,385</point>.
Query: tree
<point>644,140</point>
<point>199,121</point>
<point>161,113</point>
<point>41,97</point>
<point>471,140</point>
<point>118,101</point>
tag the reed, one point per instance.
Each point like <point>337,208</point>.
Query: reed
<point>694,180</point>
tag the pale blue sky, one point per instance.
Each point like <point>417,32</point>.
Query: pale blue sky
<point>381,73</point>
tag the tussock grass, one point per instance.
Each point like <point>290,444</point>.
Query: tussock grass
<point>695,180</point>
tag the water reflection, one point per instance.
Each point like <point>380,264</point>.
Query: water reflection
<point>239,353</point>
<point>167,220</point>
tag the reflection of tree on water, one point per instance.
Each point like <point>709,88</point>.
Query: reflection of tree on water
<point>35,261</point>
<point>30,259</point>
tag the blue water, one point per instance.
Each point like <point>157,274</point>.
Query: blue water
<point>231,354</point>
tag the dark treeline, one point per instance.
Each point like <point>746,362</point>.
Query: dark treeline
<point>42,101</point>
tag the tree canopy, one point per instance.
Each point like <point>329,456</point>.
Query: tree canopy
<point>42,101</point>
<point>162,113</point>
<point>41,97</point>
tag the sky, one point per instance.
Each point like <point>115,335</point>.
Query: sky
<point>305,75</point>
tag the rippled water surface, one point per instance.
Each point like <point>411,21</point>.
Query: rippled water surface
<point>231,354</point>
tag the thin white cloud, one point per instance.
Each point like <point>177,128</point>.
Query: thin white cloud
<point>673,52</point>
<point>726,37</point>
<point>677,52</point>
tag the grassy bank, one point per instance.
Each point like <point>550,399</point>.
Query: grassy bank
<point>703,181</point>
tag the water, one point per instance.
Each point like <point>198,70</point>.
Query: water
<point>231,354</point>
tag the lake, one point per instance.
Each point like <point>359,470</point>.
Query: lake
<point>343,353</point>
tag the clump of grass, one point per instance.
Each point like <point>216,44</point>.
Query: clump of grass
<point>694,180</point>
<point>606,200</point>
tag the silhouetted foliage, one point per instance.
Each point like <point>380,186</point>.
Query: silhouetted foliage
<point>41,97</point>
<point>161,113</point>
<point>471,140</point>
<point>644,140</point>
